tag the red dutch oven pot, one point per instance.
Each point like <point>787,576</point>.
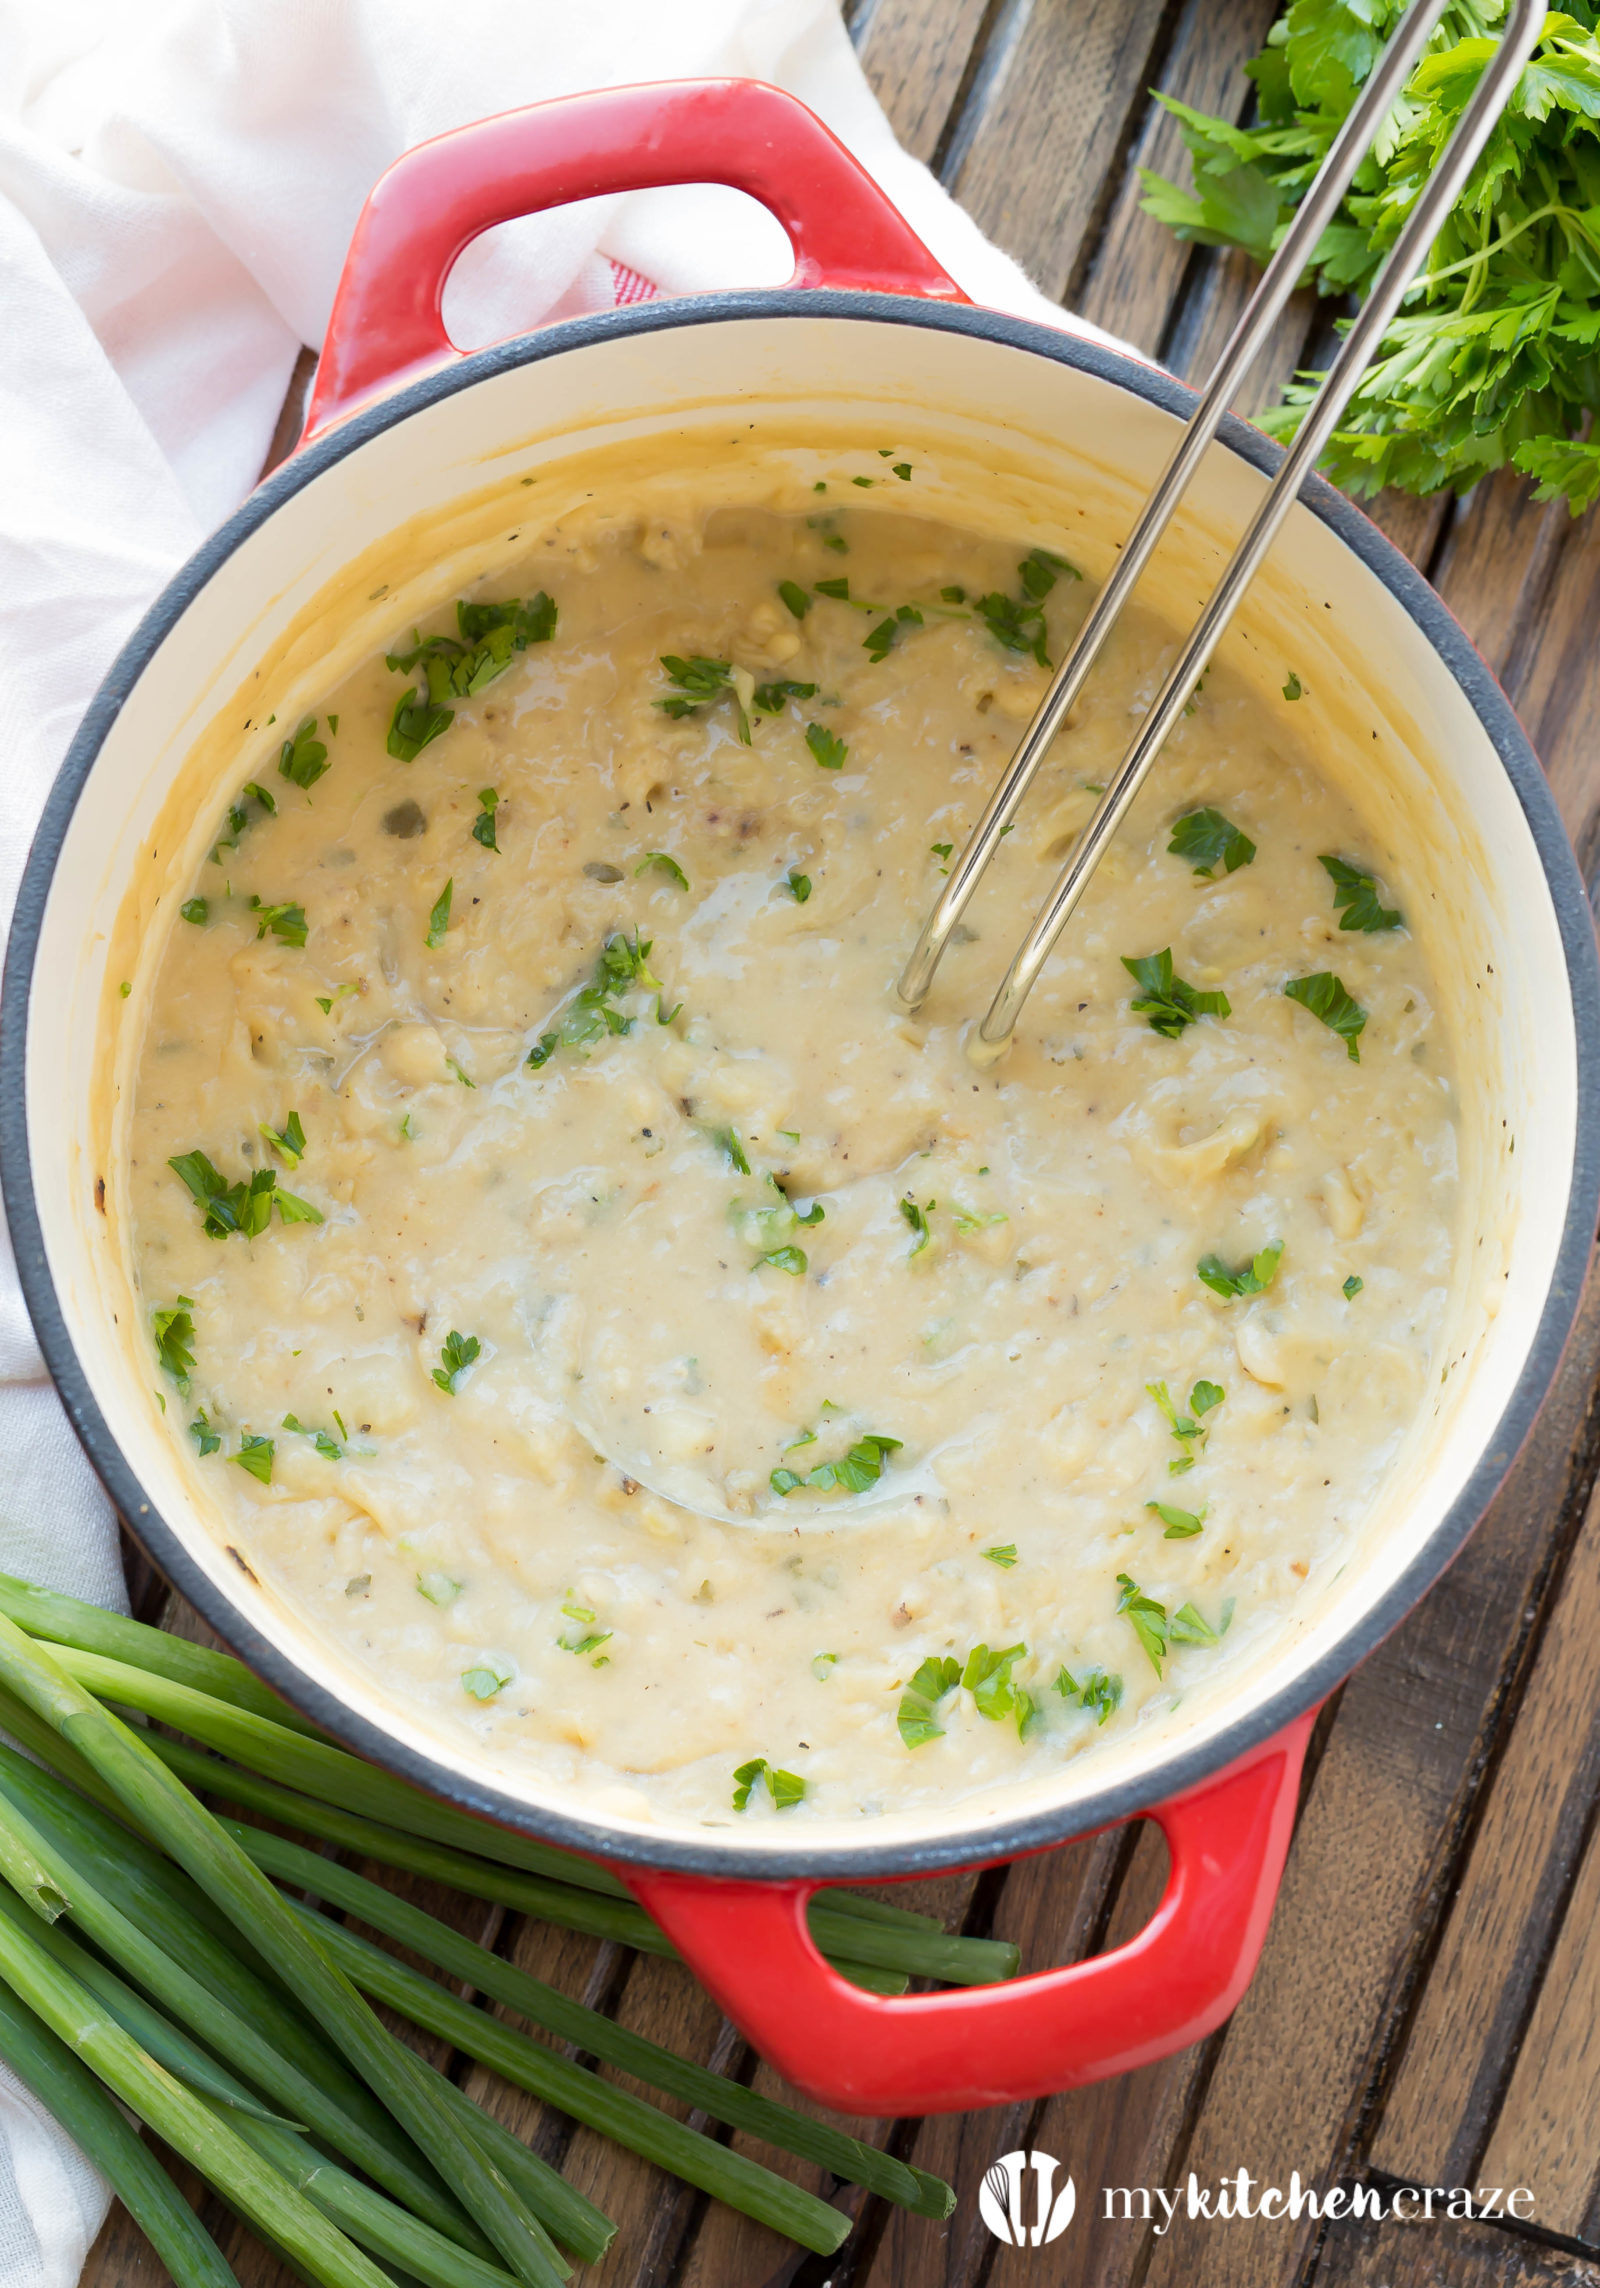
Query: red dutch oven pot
<point>398,418</point>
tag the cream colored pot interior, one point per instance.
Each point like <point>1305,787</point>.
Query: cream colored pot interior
<point>1005,441</point>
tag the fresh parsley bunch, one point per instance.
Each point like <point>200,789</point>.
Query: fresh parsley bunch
<point>1492,359</point>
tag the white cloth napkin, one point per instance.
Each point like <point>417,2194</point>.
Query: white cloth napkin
<point>178,184</point>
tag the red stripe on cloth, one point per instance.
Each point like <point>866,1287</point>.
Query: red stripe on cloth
<point>629,285</point>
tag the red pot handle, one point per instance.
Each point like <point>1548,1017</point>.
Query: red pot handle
<point>867,2054</point>
<point>386,327</point>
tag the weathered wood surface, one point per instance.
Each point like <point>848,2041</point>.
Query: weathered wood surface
<point>1428,2006</point>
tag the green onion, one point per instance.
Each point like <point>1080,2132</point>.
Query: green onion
<point>589,2031</point>
<point>71,2094</point>
<point>743,2184</point>
<point>186,2122</point>
<point>191,1836</point>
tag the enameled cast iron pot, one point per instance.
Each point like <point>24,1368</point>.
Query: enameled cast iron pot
<point>401,425</point>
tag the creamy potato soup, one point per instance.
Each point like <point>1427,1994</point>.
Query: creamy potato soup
<point>595,1305</point>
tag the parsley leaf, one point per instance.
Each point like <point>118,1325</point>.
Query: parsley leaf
<point>1003,1554</point>
<point>917,1218</point>
<point>1190,1430</point>
<point>486,1677</point>
<point>790,1259</point>
<point>242,1207</point>
<point>1352,1287</point>
<point>289,1141</point>
<point>795,597</point>
<point>456,1355</point>
<point>439,916</point>
<point>416,722</point>
<point>205,1438</point>
<point>785,1788</point>
<point>987,1676</point>
<point>1098,1692</point>
<point>769,698</point>
<point>698,682</point>
<point>483,826</point>
<point>798,885</point>
<point>585,1637</point>
<point>860,1468</point>
<point>255,1455</point>
<point>196,910</point>
<point>286,922</point>
<point>438,1588</point>
<point>1148,1618</point>
<point>1326,998</point>
<point>489,637</point>
<point>1355,893</point>
<point>1166,1000</point>
<point>1208,840</point>
<point>624,962</point>
<point>1252,1278</point>
<point>173,1330</point>
<point>1294,688</point>
<point>1181,1524</point>
<point>934,1681</point>
<point>827,748</point>
<point>1018,624</point>
<point>667,865</point>
<point>304,758</point>
<point>728,1138</point>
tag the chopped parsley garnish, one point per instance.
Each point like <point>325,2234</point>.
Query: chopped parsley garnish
<point>798,885</point>
<point>304,758</point>
<point>667,864</point>
<point>289,1141</point>
<point>1004,1553</point>
<point>584,1636</point>
<point>489,636</point>
<point>827,748</point>
<point>785,1788</point>
<point>486,1677</point>
<point>952,595</point>
<point>863,481</point>
<point>483,824</point>
<point>1181,1524</point>
<point>917,1218</point>
<point>1352,1287</point>
<point>698,682</point>
<point>242,1207</point>
<point>1157,1629</point>
<point>326,1444</point>
<point>239,817</point>
<point>255,1455</point>
<point>1041,568</point>
<point>995,1693</point>
<point>455,1356</point>
<point>838,589</point>
<point>439,916</point>
<point>1294,688</point>
<point>795,597</point>
<point>1252,1278</point>
<point>1209,840</point>
<point>1355,893</point>
<point>1018,622</point>
<point>438,1588</point>
<point>902,469</point>
<point>967,1220</point>
<point>416,723</point>
<point>822,1665</point>
<point>196,910</point>
<point>205,1438</point>
<point>837,542</point>
<point>325,1002</point>
<point>878,642</point>
<point>941,849</point>
<point>934,1681</point>
<point>1190,1430</point>
<point>173,1329</point>
<point>1097,1692</point>
<point>859,1469</point>
<point>1169,1003</point>
<point>728,1138</point>
<point>770,698</point>
<point>790,1259</point>
<point>287,922</point>
<point>1326,998</point>
<point>624,962</point>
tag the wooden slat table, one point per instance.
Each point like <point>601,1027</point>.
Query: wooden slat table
<point>1428,2007</point>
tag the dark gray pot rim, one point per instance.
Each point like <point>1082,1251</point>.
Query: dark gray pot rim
<point>1006,1837</point>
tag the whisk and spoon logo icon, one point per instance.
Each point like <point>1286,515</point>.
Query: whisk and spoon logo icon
<point>1002,2207</point>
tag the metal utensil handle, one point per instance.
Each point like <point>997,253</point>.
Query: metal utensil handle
<point>1244,345</point>
<point>1367,329</point>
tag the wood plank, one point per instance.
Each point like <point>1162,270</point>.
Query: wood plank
<point>1139,266</point>
<point>1504,1916</point>
<point>1548,2133</point>
<point>1554,677</point>
<point>1417,527</point>
<point>1444,2254</point>
<point>917,54</point>
<point>1050,111</point>
<point>1495,569</point>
